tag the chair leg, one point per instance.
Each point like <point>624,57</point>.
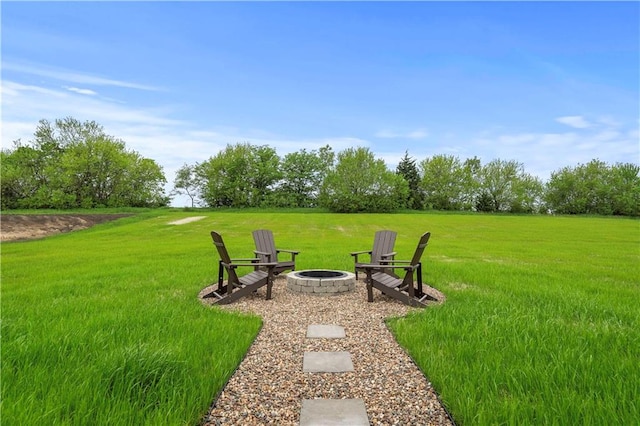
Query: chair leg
<point>355,268</point>
<point>410,287</point>
<point>220,275</point>
<point>269,285</point>
<point>369,286</point>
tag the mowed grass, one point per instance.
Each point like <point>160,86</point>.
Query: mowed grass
<point>541,323</point>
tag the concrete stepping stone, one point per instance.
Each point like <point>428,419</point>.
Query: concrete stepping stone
<point>327,362</point>
<point>329,412</point>
<point>323,331</point>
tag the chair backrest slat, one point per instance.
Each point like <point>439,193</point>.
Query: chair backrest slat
<point>422,244</point>
<point>383,243</point>
<point>417,255</point>
<point>265,242</point>
<point>224,254</point>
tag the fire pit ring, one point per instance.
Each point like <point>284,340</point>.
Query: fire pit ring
<point>321,282</point>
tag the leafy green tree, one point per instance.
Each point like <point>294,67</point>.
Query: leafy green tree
<point>446,182</point>
<point>145,184</point>
<point>327,159</point>
<point>527,194</point>
<point>472,168</point>
<point>595,188</point>
<point>578,190</point>
<point>54,137</point>
<point>186,183</point>
<point>242,175</point>
<point>22,174</point>
<point>302,175</point>
<point>562,195</point>
<point>93,173</point>
<point>496,181</point>
<point>264,174</point>
<point>625,189</point>
<point>504,186</point>
<point>222,178</point>
<point>596,175</point>
<point>361,183</point>
<point>72,164</point>
<point>409,171</point>
<point>484,203</point>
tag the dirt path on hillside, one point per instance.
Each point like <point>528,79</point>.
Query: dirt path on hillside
<point>16,227</point>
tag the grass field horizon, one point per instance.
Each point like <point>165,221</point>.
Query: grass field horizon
<point>540,326</point>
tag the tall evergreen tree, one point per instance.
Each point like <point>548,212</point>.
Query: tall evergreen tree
<point>409,171</point>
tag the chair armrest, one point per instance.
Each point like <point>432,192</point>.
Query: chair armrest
<point>252,259</point>
<point>235,265</point>
<point>287,251</point>
<point>293,253</point>
<point>369,266</point>
<point>267,264</point>
<point>398,261</point>
<point>263,253</point>
<point>392,254</point>
<point>355,253</point>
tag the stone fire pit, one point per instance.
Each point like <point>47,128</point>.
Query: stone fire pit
<point>321,282</point>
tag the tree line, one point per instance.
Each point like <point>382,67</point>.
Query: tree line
<point>354,180</point>
<point>71,164</point>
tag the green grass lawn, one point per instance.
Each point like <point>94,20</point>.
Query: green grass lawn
<point>541,323</point>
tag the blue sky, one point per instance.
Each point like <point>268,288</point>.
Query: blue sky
<point>549,84</point>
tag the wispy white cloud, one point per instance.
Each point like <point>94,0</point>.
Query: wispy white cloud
<point>73,76</point>
<point>607,135</point>
<point>414,134</point>
<point>576,121</point>
<point>543,153</point>
<point>418,134</point>
<point>23,102</point>
<point>81,91</point>
<point>608,121</point>
<point>610,140</point>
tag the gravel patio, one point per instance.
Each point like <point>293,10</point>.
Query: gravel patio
<point>269,385</point>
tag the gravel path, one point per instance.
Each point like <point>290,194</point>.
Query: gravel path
<point>268,387</point>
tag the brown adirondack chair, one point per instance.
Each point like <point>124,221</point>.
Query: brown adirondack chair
<point>381,252</point>
<point>237,287</point>
<point>403,289</point>
<point>267,252</point>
